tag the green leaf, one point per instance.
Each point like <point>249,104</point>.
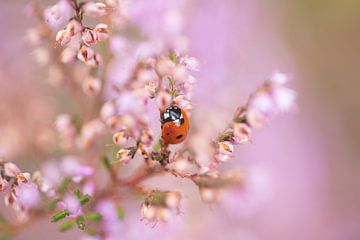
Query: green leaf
<point>64,185</point>
<point>77,193</point>
<point>93,216</point>
<point>84,199</point>
<point>120,213</point>
<point>106,162</point>
<point>66,226</point>
<point>80,222</point>
<point>60,215</point>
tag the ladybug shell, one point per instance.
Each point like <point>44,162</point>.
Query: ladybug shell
<point>174,129</point>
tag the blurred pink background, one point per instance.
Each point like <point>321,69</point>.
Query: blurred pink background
<point>309,158</point>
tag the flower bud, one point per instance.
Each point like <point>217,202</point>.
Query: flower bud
<point>151,88</point>
<point>102,31</point>
<point>93,9</point>
<point>68,55</point>
<point>91,86</point>
<point>63,37</point>
<point>88,56</point>
<point>89,37</point>
<point>74,27</point>
<point>11,170</point>
<point>173,200</point>
<point>147,137</point>
<point>208,195</point>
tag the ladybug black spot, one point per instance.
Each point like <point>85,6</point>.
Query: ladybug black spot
<point>179,136</point>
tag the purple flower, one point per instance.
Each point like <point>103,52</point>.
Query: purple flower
<point>28,195</point>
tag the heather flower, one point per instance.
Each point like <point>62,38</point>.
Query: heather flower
<point>68,55</point>
<point>163,100</point>
<point>91,86</point>
<point>89,37</point>
<point>93,9</point>
<point>3,184</point>
<point>11,170</point>
<point>58,13</point>
<point>90,131</point>
<point>147,137</point>
<point>225,148</point>
<point>71,204</point>
<point>63,37</point>
<point>190,63</point>
<point>28,195</point>
<point>241,133</point>
<point>124,155</point>
<point>88,56</point>
<point>108,110</point>
<point>70,166</point>
<point>102,32</point>
<point>120,139</point>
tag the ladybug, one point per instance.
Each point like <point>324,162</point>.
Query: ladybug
<point>174,125</point>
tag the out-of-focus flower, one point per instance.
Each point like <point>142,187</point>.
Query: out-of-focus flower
<point>70,166</point>
<point>147,137</point>
<point>88,56</point>
<point>120,139</point>
<point>11,170</point>
<point>151,88</point>
<point>182,102</point>
<point>28,195</point>
<point>102,31</point>
<point>107,110</point>
<point>90,132</point>
<point>165,66</point>
<point>208,195</point>
<point>3,184</point>
<point>68,55</point>
<point>190,63</point>
<point>91,86</point>
<point>163,100</point>
<point>160,206</point>
<point>241,133</point>
<point>57,14</point>
<point>93,9</point>
<point>71,204</point>
<point>66,130</point>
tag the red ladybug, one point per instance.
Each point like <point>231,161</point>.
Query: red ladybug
<point>174,125</point>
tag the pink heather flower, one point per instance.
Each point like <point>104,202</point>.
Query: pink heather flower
<point>89,188</point>
<point>279,78</point>
<point>57,14</point>
<point>180,73</point>
<point>91,86</point>
<point>93,9</point>
<point>209,195</point>
<point>120,139</point>
<point>261,110</point>
<point>63,37</point>
<point>71,167</point>
<point>182,102</point>
<point>225,148</point>
<point>190,63</point>
<point>89,37</point>
<point>241,133</point>
<point>28,195</point>
<point>11,169</point>
<point>148,212</point>
<point>108,110</point>
<point>165,66</point>
<point>151,88</point>
<point>173,200</point>
<point>88,56</point>
<point>74,27</point>
<point>68,55</point>
<point>147,137</point>
<point>70,203</point>
<point>222,157</point>
<point>163,100</point>
<point>124,155</point>
<point>284,98</point>
<point>3,184</point>
<point>102,31</point>
<point>108,211</point>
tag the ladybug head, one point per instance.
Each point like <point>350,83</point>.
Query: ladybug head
<point>172,114</point>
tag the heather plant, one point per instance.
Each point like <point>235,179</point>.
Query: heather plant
<point>116,63</point>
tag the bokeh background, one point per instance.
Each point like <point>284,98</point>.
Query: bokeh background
<point>309,158</point>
